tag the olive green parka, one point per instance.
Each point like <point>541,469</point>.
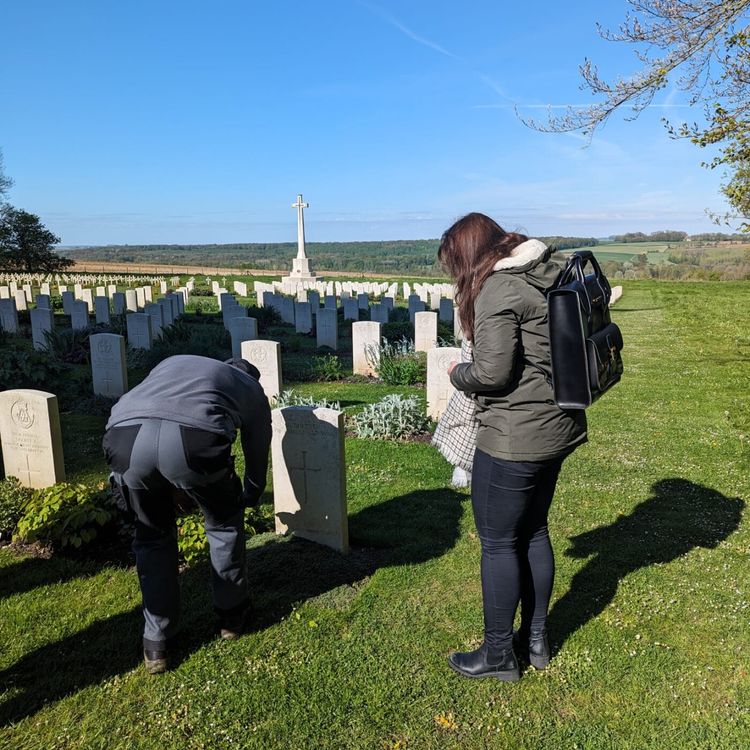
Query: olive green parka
<point>510,377</point>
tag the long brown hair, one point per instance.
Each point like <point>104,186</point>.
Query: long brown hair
<point>468,251</point>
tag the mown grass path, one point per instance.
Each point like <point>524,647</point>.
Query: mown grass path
<point>651,609</point>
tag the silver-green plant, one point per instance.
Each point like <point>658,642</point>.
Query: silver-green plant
<point>397,362</point>
<point>290,397</point>
<point>394,417</point>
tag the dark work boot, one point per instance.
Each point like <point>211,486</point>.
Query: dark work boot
<point>475,664</point>
<point>156,662</point>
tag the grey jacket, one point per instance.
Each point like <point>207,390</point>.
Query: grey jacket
<point>210,395</point>
<point>510,378</point>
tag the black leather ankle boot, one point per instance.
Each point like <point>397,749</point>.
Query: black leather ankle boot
<point>534,646</point>
<point>539,651</point>
<point>475,664</point>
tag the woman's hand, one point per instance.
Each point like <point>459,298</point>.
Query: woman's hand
<point>451,366</point>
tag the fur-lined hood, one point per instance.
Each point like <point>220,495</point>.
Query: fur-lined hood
<point>521,255</point>
<point>531,261</point>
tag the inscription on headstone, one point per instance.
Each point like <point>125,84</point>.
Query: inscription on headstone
<point>31,437</point>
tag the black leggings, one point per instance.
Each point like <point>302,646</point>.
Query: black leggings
<point>511,500</point>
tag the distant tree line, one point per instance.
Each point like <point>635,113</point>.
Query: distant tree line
<point>406,257</point>
<point>664,235</point>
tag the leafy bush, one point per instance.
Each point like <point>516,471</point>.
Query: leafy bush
<point>291,397</point>
<point>393,417</point>
<point>69,345</point>
<point>267,317</point>
<point>22,367</point>
<point>13,496</point>
<point>181,338</point>
<point>192,542</point>
<point>397,363</point>
<point>395,330</point>
<point>326,367</point>
<point>65,515</point>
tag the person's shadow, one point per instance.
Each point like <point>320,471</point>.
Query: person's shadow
<point>283,572</point>
<point>677,518</point>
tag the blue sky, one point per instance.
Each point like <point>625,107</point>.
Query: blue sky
<point>177,122</point>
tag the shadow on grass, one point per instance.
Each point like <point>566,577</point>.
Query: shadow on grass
<point>283,572</point>
<point>32,572</point>
<point>679,517</point>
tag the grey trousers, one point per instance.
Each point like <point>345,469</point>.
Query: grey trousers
<point>150,459</point>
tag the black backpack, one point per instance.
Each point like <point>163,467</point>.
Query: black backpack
<point>584,343</point>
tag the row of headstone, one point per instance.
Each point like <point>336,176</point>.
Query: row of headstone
<point>307,449</point>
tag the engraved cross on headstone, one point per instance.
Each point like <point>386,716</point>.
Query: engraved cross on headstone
<point>29,471</point>
<point>304,469</point>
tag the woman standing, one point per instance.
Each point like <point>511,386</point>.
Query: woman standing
<point>523,436</point>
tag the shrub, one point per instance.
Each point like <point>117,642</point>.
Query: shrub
<point>21,367</point>
<point>192,542</point>
<point>267,317</point>
<point>13,496</point>
<point>397,363</point>
<point>397,330</point>
<point>69,345</point>
<point>393,417</point>
<point>65,515</point>
<point>181,338</point>
<point>327,367</point>
<point>291,397</point>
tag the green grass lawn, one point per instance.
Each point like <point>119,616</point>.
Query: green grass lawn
<point>650,616</point>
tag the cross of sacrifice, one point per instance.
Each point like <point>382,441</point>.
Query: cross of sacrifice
<point>300,206</point>
<point>304,469</point>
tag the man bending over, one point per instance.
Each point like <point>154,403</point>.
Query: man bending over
<point>172,436</point>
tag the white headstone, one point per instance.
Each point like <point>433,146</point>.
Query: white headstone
<point>79,315</point>
<point>327,329</point>
<point>131,300</point>
<point>351,309</point>
<point>242,329</point>
<point>379,313</point>
<point>118,303</point>
<point>365,347</point>
<point>439,388</point>
<point>139,330</point>
<point>42,323</point>
<point>157,318</point>
<point>446,310</point>
<point>425,331</point>
<point>167,311</point>
<point>266,356</point>
<point>20,297</point>
<point>415,305</point>
<point>302,317</point>
<point>287,310</point>
<point>309,477</point>
<point>31,437</point>
<point>8,316</point>
<point>458,333</point>
<point>101,308</point>
<point>68,298</point>
<point>43,300</point>
<point>108,364</point>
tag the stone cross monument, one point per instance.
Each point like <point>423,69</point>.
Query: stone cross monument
<point>301,270</point>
